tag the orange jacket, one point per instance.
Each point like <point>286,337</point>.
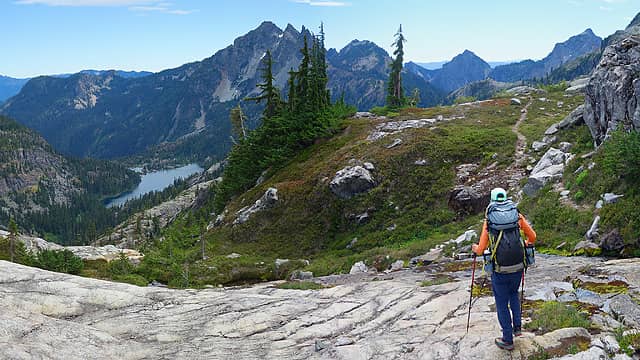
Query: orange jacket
<point>530,235</point>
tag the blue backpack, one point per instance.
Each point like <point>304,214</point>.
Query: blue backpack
<point>505,243</point>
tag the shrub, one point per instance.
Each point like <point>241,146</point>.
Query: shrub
<point>59,260</point>
<point>553,315</point>
<point>131,279</point>
<point>120,266</point>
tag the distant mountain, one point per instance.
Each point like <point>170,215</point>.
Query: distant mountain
<point>435,65</point>
<point>10,86</point>
<point>461,70</point>
<point>575,47</point>
<point>105,115</point>
<point>361,69</point>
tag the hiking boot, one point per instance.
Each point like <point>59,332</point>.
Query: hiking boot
<point>517,332</point>
<point>503,344</point>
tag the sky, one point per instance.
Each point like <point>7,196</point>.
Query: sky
<point>40,37</point>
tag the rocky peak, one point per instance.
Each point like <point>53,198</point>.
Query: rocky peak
<point>612,96</point>
<point>577,45</point>
<point>634,22</point>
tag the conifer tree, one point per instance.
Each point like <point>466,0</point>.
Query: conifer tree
<point>237,123</point>
<point>269,93</point>
<point>395,96</point>
<point>13,234</point>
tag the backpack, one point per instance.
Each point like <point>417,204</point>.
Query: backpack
<point>506,244</point>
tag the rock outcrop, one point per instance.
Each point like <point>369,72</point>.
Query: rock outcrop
<point>105,253</point>
<point>58,316</point>
<point>612,96</point>
<point>549,168</point>
<point>351,181</point>
<point>268,200</point>
<point>140,226</point>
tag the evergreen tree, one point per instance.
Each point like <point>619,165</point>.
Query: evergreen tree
<point>237,123</point>
<point>395,96</point>
<point>269,93</point>
<point>13,235</point>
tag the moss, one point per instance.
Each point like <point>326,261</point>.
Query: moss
<point>300,285</point>
<point>612,287</point>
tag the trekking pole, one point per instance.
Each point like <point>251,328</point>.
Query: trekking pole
<point>522,293</point>
<point>473,274</point>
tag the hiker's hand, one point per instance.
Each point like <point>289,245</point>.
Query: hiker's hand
<point>474,247</point>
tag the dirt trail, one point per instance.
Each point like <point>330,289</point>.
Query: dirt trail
<point>517,170</point>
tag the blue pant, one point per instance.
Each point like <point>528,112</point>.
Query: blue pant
<point>505,290</point>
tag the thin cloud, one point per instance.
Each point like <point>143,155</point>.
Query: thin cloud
<point>139,6</point>
<point>326,3</point>
<point>83,2</point>
<point>605,8</point>
<point>575,2</point>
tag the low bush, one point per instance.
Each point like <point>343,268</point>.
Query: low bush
<point>59,260</point>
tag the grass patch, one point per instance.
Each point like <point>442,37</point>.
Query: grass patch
<point>300,285</point>
<point>438,280</point>
<point>629,342</point>
<point>554,222</point>
<point>553,315</point>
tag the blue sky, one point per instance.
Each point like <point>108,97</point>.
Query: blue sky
<point>63,36</point>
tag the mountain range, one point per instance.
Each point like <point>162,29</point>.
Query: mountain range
<point>107,114</point>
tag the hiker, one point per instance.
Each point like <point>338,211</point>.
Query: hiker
<point>501,234</point>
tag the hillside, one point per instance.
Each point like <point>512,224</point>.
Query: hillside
<point>418,163</point>
<point>46,191</point>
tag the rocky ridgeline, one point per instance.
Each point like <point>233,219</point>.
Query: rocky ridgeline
<point>127,234</point>
<point>367,316</point>
<point>106,253</point>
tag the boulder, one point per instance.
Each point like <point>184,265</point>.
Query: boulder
<point>573,119</point>
<point>358,268</point>
<point>610,198</point>
<point>395,143</point>
<point>426,259</point>
<point>625,310</point>
<point>420,162</point>
<point>301,275</point>
<point>351,181</point>
<point>565,146</point>
<point>538,145</point>
<point>549,168</point>
<point>267,201</point>
<point>587,248</point>
<point>467,200</point>
<point>468,235</point>
<point>577,85</point>
<point>397,265</point>
<point>551,130</point>
<point>612,95</point>
<point>612,241</point>
<point>516,101</point>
